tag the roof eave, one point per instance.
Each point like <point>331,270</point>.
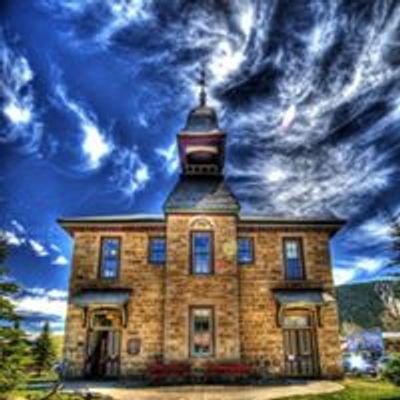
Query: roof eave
<point>177,210</point>
<point>72,224</point>
<point>334,225</point>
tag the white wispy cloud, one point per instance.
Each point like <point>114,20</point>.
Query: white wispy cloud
<point>129,173</point>
<point>17,104</point>
<point>18,226</point>
<point>283,98</point>
<point>60,260</point>
<point>12,238</point>
<point>170,158</point>
<point>18,235</point>
<point>332,181</point>
<point>55,247</point>
<point>342,276</point>
<point>369,264</point>
<point>39,304</point>
<point>378,228</point>
<point>14,233</point>
<point>96,145</point>
<point>38,248</point>
<point>118,14</point>
<point>50,293</point>
<point>374,233</point>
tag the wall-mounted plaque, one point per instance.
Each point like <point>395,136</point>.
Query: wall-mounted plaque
<point>134,346</point>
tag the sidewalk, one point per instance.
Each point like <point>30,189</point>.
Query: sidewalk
<point>205,392</point>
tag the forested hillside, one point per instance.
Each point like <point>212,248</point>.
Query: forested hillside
<point>370,305</point>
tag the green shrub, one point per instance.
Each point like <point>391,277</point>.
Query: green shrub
<point>392,370</point>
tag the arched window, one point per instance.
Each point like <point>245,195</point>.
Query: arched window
<point>293,319</point>
<point>106,319</point>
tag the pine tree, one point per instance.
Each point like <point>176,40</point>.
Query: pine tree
<point>13,346</point>
<point>44,353</point>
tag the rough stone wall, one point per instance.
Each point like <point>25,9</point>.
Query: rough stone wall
<point>145,304</point>
<point>244,306</point>
<point>261,336</point>
<point>219,290</point>
<point>74,342</point>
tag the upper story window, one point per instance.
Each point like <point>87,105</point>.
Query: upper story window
<point>245,250</point>
<point>293,256</point>
<point>110,258</point>
<point>202,252</point>
<point>157,251</point>
<point>202,331</point>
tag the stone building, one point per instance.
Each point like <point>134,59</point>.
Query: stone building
<point>203,283</point>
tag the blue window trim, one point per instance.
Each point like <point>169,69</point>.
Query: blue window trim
<point>103,239</point>
<point>150,250</point>
<point>251,241</point>
<point>302,275</point>
<point>211,252</point>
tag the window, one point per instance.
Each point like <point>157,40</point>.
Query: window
<point>202,252</point>
<point>296,321</point>
<point>293,255</point>
<point>245,250</point>
<point>110,254</point>
<point>202,331</point>
<point>106,319</point>
<point>157,251</point>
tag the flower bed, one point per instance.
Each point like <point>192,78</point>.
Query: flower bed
<point>171,372</point>
<point>228,371</point>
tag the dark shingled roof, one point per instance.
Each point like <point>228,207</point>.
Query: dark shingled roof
<point>201,194</point>
<point>202,119</point>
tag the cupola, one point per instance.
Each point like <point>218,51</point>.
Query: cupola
<point>201,142</point>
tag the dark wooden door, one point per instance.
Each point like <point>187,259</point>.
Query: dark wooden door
<point>103,354</point>
<point>301,358</point>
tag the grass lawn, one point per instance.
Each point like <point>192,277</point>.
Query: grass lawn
<point>50,376</point>
<point>38,394</point>
<point>359,389</point>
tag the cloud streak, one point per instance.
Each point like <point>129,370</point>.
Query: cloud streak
<point>95,145</point>
<point>19,118</point>
<point>293,97</point>
<point>37,305</point>
<point>129,174</point>
<point>18,236</point>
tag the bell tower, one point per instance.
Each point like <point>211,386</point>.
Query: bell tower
<point>201,143</point>
<point>201,187</point>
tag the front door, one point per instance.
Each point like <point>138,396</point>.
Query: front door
<point>300,346</point>
<point>103,344</point>
<point>103,354</point>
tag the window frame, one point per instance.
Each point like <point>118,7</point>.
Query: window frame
<point>149,252</point>
<point>192,253</point>
<point>119,257</point>
<point>252,250</point>
<point>300,243</point>
<point>192,309</point>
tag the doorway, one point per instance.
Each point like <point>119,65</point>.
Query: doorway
<point>300,344</point>
<point>103,347</point>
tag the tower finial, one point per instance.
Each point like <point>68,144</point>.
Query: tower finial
<point>202,82</point>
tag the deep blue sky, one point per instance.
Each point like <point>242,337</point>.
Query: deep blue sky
<point>93,93</point>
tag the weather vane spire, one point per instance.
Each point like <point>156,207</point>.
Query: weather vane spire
<point>202,82</point>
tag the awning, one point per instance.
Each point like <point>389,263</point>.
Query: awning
<point>96,298</point>
<point>299,298</point>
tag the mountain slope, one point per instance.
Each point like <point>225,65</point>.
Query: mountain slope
<point>370,305</point>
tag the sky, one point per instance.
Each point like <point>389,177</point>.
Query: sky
<point>93,93</point>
